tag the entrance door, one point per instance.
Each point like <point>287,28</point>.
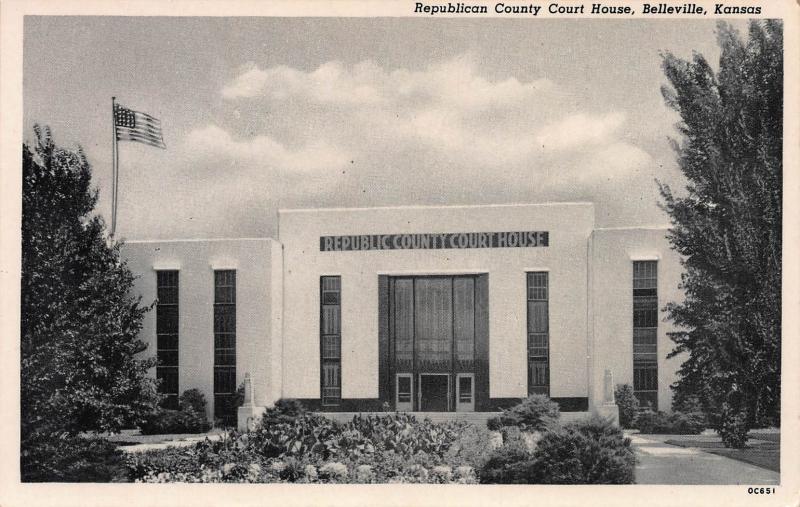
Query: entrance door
<point>432,326</point>
<point>434,393</point>
<point>465,392</point>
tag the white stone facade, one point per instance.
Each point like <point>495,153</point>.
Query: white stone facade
<point>278,298</point>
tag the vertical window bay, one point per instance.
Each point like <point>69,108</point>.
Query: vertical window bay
<point>167,326</point>
<point>225,346</point>
<point>538,333</point>
<point>330,340</point>
<point>645,332</point>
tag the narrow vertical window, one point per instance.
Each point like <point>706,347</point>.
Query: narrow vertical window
<point>330,340</point>
<point>225,345</point>
<point>538,334</point>
<point>645,332</point>
<point>167,336</point>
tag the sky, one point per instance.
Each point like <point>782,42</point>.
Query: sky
<point>260,114</point>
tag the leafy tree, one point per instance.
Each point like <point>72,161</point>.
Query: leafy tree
<point>727,227</point>
<point>79,325</point>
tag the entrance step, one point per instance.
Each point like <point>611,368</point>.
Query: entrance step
<point>476,418</point>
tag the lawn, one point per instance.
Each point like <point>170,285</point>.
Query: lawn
<point>763,449</point>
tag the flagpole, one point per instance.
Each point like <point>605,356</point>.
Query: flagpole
<point>115,171</point>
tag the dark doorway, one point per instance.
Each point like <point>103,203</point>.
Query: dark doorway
<point>434,393</point>
<point>434,325</point>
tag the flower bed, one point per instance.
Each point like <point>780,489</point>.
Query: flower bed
<point>313,449</point>
<point>293,446</point>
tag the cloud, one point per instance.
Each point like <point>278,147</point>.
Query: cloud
<point>248,84</point>
<point>330,83</point>
<point>580,131</point>
<point>367,135</point>
<point>454,83</point>
<point>213,143</point>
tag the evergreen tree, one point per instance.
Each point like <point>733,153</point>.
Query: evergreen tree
<point>79,326</point>
<point>727,227</point>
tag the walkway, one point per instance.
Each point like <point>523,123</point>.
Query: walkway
<point>660,463</point>
<point>133,441</point>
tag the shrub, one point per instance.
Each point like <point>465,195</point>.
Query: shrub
<point>191,418</point>
<point>284,411</point>
<point>471,447</point>
<point>593,451</point>
<point>494,423</point>
<point>192,399</point>
<point>510,464</point>
<point>164,421</point>
<point>692,423</point>
<point>535,413</point>
<point>675,423</point>
<point>68,458</point>
<point>649,422</point>
<point>627,403</point>
<point>733,428</point>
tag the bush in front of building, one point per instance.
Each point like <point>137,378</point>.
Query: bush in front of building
<point>471,447</point>
<point>284,410</point>
<point>70,458</point>
<point>191,418</point>
<point>192,399</point>
<point>494,424</point>
<point>535,413</point>
<point>508,464</point>
<point>163,422</point>
<point>592,451</point>
<point>733,427</point>
<point>673,423</point>
<point>627,403</point>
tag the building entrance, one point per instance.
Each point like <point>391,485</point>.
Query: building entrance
<point>432,341</point>
<point>434,392</point>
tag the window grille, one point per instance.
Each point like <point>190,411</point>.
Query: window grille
<point>330,340</point>
<point>167,336</point>
<point>645,332</point>
<point>225,346</point>
<point>538,333</point>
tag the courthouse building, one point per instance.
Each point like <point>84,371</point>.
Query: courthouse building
<point>430,309</point>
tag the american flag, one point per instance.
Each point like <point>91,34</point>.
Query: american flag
<point>139,127</point>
